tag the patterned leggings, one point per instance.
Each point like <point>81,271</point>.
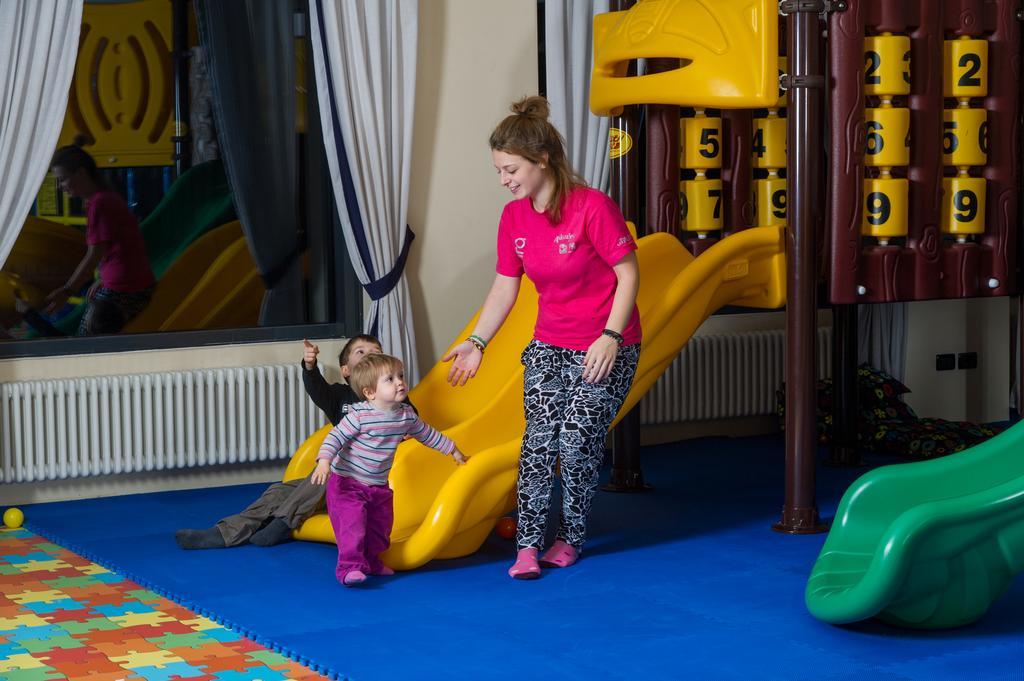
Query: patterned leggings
<point>566,421</point>
<point>110,310</point>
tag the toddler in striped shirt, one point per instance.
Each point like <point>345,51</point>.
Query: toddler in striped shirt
<point>355,459</point>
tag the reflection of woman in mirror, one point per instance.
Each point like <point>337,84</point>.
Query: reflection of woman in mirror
<point>125,285</point>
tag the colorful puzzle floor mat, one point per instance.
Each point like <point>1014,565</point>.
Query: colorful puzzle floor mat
<point>64,617</point>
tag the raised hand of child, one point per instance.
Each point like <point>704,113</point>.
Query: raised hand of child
<point>323,469</point>
<point>459,457</point>
<point>309,353</point>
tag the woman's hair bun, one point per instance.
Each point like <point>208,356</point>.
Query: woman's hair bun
<point>80,140</point>
<point>534,107</point>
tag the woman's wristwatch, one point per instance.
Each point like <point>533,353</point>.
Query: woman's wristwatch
<point>614,335</point>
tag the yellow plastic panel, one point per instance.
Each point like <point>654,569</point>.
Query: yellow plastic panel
<point>45,253</point>
<point>965,68</point>
<point>228,281</point>
<point>885,207</point>
<point>768,145</point>
<point>965,137</point>
<point>887,136</point>
<point>701,142</point>
<point>184,275</point>
<point>122,93</point>
<point>963,205</point>
<point>887,65</point>
<point>11,286</point>
<point>728,52</point>
<point>700,205</point>
<point>445,511</point>
<point>770,199</point>
<point>43,257</point>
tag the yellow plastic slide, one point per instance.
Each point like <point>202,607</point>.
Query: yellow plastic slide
<point>182,276</point>
<point>223,287</point>
<point>443,510</point>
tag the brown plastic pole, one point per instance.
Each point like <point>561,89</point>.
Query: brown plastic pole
<point>846,150</point>
<point>1003,171</point>
<point>626,473</point>
<point>738,211</point>
<point>800,511</point>
<point>662,176</point>
<point>924,236</point>
<point>182,136</point>
<point>843,451</point>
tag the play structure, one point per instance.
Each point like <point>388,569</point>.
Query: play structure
<point>443,510</point>
<point>928,544</point>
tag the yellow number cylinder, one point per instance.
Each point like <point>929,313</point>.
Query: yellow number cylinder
<point>965,137</point>
<point>885,207</point>
<point>887,65</point>
<point>770,199</point>
<point>701,138</point>
<point>701,205</point>
<point>885,142</point>
<point>963,205</point>
<point>965,68</point>
<point>768,146</point>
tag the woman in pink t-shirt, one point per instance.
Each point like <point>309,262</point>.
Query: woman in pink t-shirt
<point>574,245</point>
<point>125,285</point>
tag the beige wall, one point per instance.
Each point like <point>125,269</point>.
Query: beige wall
<point>475,58</point>
<point>956,326</point>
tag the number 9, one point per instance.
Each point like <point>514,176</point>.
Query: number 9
<point>879,208</point>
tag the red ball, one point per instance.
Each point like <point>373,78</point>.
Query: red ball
<point>506,527</point>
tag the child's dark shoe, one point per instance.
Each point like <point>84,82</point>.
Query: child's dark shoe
<point>559,555</point>
<point>526,566</point>
<point>275,532</point>
<point>209,538</point>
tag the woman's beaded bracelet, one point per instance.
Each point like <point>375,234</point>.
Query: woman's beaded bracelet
<point>614,335</point>
<point>479,342</point>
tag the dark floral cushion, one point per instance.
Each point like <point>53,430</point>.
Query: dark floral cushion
<point>886,424</point>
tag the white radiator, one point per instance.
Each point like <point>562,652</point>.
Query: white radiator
<point>722,376</point>
<point>51,430</point>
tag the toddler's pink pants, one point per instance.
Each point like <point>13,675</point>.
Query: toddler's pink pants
<point>361,516</point>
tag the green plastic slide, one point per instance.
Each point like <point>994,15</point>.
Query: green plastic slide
<point>926,545</point>
<point>197,202</point>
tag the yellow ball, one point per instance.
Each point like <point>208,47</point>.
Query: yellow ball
<point>13,518</point>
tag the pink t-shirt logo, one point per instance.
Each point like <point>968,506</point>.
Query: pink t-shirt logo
<point>566,243</point>
<point>520,246</point>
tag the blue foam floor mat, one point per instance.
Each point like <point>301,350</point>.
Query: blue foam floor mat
<point>686,581</point>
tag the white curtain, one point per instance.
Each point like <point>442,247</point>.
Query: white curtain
<point>569,58</point>
<point>882,337</point>
<point>364,56</point>
<point>38,47</point>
